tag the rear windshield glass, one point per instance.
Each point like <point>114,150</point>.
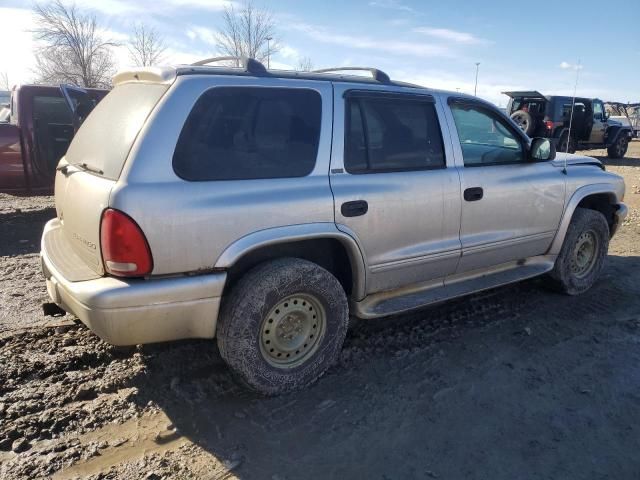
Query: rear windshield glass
<point>106,136</point>
<point>236,133</point>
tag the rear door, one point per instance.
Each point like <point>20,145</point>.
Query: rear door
<point>599,124</point>
<point>511,206</point>
<point>394,184</point>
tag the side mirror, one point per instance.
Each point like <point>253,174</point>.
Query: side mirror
<point>542,149</point>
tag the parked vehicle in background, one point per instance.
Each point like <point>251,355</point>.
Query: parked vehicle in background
<point>264,207</point>
<point>626,114</point>
<point>549,116</point>
<point>35,132</point>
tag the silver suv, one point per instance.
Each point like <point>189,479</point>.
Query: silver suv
<point>263,208</point>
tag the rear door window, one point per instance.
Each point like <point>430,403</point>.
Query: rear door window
<point>390,134</point>
<point>239,133</point>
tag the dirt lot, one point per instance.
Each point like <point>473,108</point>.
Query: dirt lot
<point>514,383</point>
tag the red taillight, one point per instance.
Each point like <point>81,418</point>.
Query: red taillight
<point>549,124</point>
<point>125,251</point>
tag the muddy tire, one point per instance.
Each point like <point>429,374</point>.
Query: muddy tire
<point>619,148</point>
<point>525,121</point>
<point>283,325</point>
<point>583,252</point>
<point>562,144</point>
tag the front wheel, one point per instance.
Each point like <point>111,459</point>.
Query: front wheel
<point>619,147</point>
<point>583,252</point>
<point>283,325</point>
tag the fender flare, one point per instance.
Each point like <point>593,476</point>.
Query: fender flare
<point>614,132</point>
<point>294,233</point>
<point>572,204</point>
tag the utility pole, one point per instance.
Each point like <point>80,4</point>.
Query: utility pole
<point>475,90</point>
<point>269,52</point>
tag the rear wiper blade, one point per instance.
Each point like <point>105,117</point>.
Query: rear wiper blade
<point>84,165</point>
<point>91,168</point>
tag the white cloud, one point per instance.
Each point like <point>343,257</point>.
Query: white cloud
<point>395,47</point>
<point>289,52</point>
<point>111,7</point>
<point>391,4</point>
<point>570,66</point>
<point>213,5</point>
<point>125,8</point>
<point>451,35</point>
<point>203,34</point>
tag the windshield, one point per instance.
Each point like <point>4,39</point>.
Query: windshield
<point>106,136</point>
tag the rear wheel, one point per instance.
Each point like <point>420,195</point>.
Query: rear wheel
<point>562,144</point>
<point>283,325</point>
<point>583,252</point>
<point>525,121</point>
<point>619,147</point>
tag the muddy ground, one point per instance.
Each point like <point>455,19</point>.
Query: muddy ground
<point>514,383</point>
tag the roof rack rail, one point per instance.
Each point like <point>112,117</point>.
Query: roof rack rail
<point>250,65</point>
<point>377,75</point>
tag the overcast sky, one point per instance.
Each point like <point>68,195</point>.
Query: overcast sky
<point>433,43</point>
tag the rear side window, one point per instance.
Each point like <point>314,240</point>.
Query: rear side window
<point>240,133</point>
<point>51,110</point>
<point>391,134</point>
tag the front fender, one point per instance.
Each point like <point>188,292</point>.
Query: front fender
<point>614,132</point>
<point>580,194</point>
<point>294,233</point>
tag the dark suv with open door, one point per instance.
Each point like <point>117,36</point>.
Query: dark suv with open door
<point>35,132</point>
<point>550,116</point>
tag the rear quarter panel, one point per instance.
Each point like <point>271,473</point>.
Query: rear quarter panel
<point>189,224</point>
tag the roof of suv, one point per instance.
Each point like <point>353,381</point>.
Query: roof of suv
<point>168,74</point>
<point>253,68</point>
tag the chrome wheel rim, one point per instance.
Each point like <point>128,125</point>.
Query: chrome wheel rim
<point>584,254</point>
<point>292,331</point>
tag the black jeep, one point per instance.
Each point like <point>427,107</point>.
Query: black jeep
<point>549,116</point>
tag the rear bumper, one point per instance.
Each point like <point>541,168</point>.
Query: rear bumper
<point>133,311</point>
<point>620,214</point>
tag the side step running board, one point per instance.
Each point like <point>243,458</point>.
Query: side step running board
<point>390,303</point>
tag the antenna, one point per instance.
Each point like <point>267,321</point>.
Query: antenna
<point>573,104</point>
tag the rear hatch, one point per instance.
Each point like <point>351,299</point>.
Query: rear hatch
<point>87,174</point>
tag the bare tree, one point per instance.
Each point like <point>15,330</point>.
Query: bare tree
<point>304,64</point>
<point>146,46</point>
<point>247,32</point>
<point>73,50</point>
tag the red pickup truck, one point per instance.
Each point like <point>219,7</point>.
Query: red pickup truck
<point>35,131</point>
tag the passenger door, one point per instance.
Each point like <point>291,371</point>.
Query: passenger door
<point>394,184</point>
<point>511,206</point>
<point>599,124</point>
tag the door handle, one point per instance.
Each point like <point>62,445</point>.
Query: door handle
<point>354,208</point>
<point>473,194</point>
